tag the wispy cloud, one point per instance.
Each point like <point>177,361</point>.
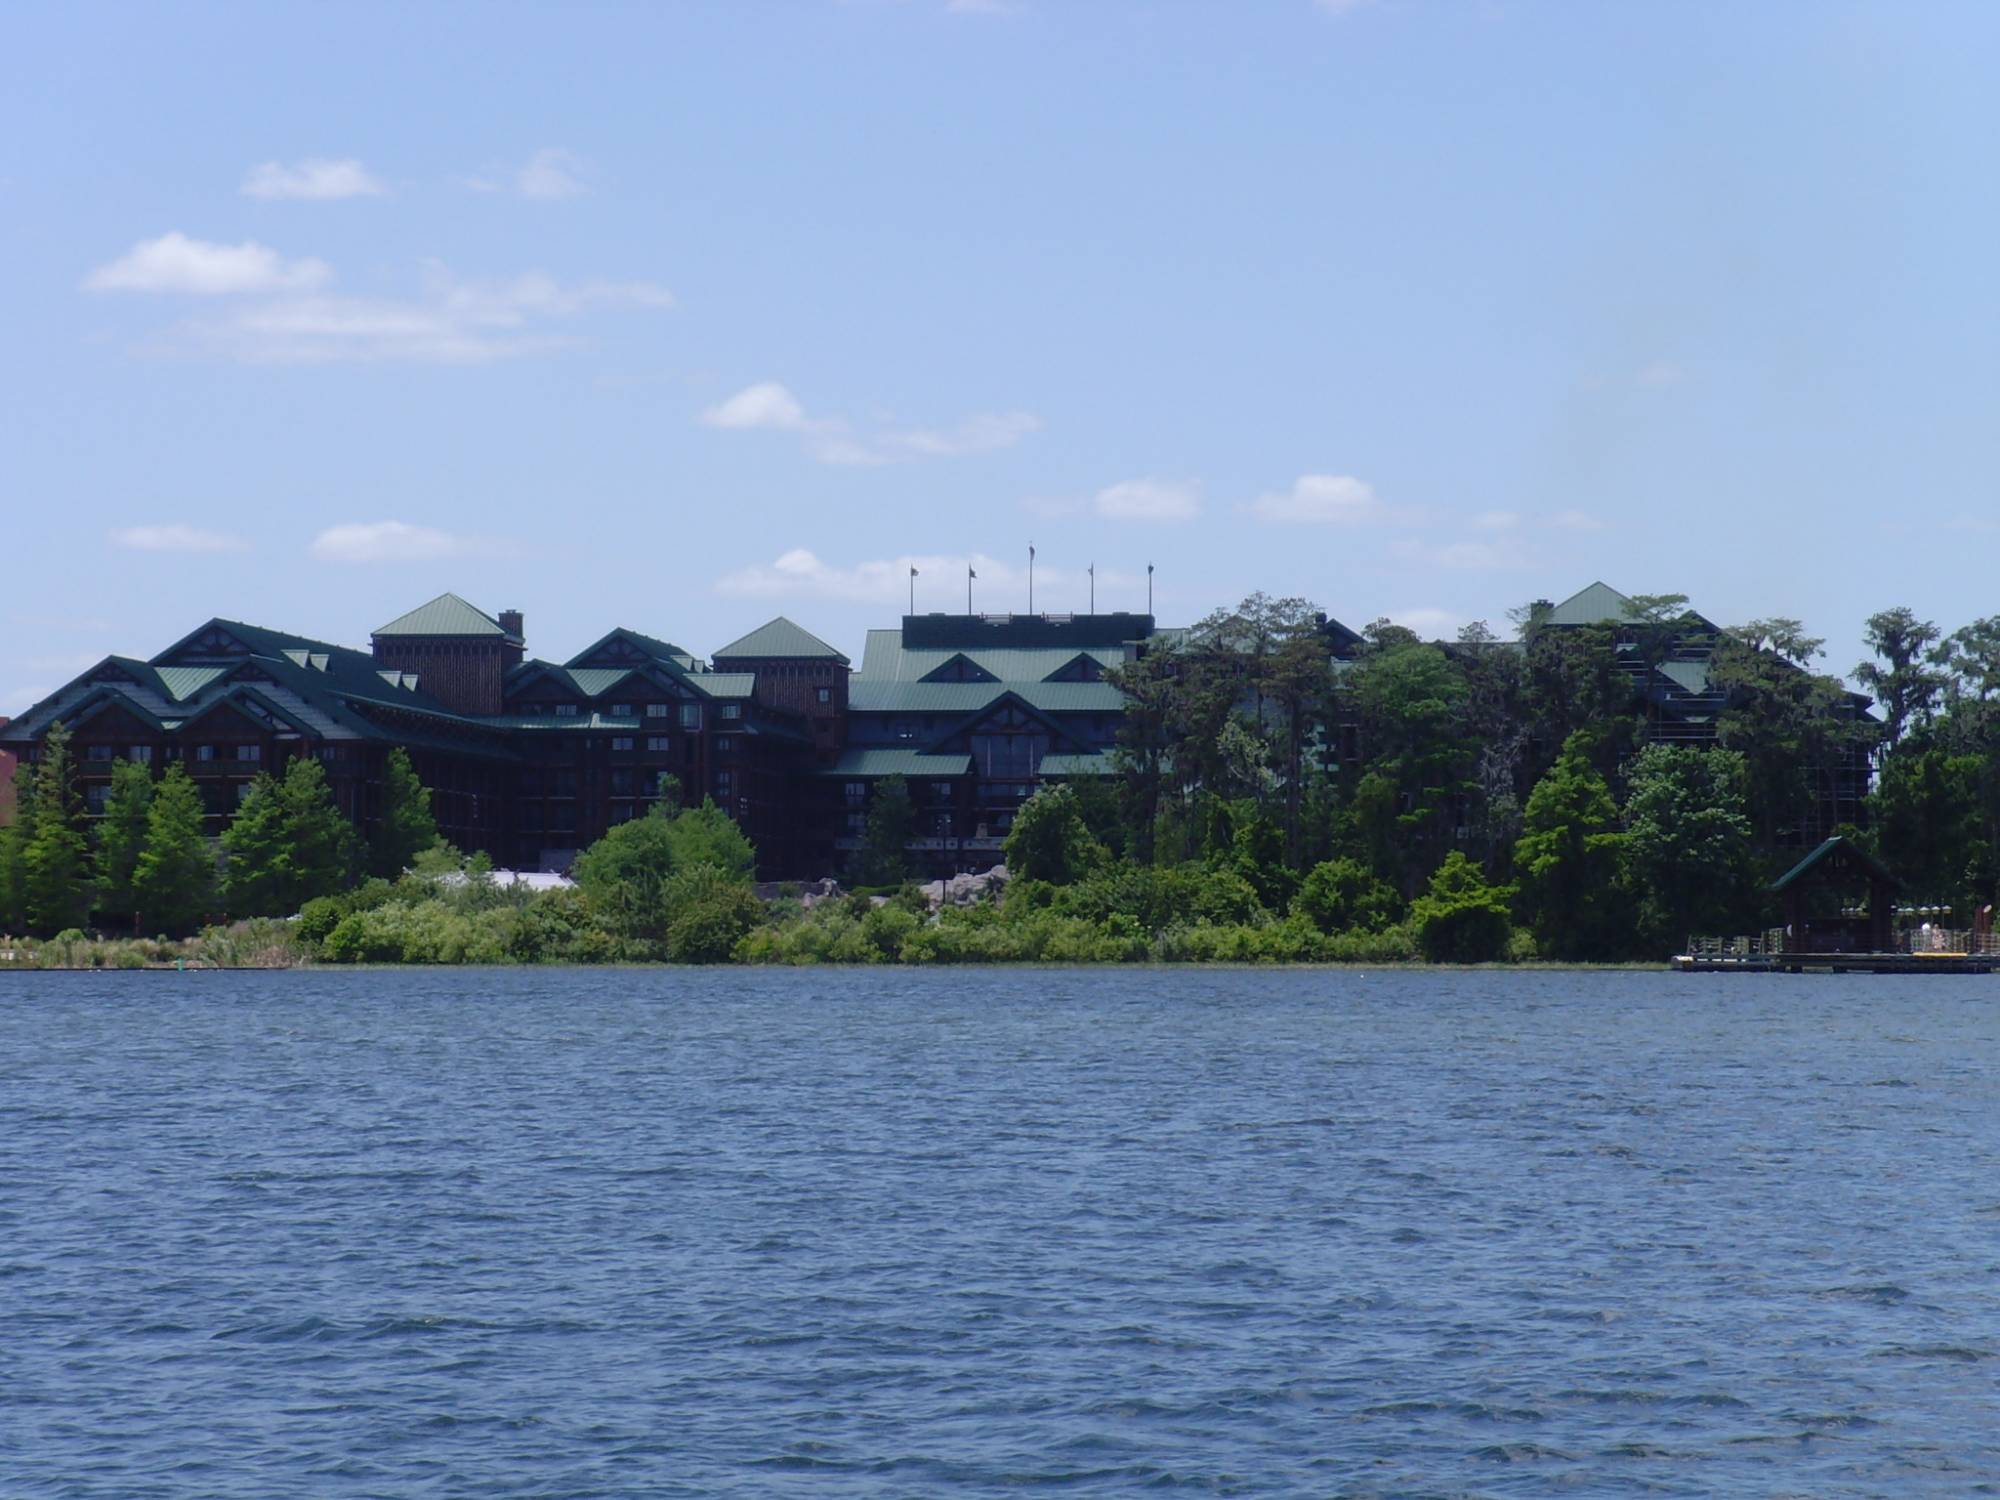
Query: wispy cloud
<point>399,541</point>
<point>1327,500</point>
<point>1573,520</point>
<point>1661,372</point>
<point>551,174</point>
<point>175,263</point>
<point>316,179</point>
<point>769,406</point>
<point>1148,500</point>
<point>279,316</point>
<point>174,537</point>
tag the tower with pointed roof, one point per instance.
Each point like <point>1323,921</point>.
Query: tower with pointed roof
<point>796,672</point>
<point>459,653</point>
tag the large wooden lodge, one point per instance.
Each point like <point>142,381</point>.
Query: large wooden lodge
<point>531,760</point>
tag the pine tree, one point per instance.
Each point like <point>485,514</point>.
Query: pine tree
<point>13,895</point>
<point>407,827</point>
<point>288,844</point>
<point>55,854</point>
<point>121,835</point>
<point>173,883</point>
<point>1570,860</point>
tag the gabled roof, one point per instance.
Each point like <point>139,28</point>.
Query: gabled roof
<point>1835,845</point>
<point>446,615</point>
<point>1691,677</point>
<point>1600,604</point>
<point>647,645</point>
<point>779,639</point>
<point>885,658</point>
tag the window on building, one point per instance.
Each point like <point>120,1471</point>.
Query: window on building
<point>732,710</point>
<point>249,752</point>
<point>204,752</point>
<point>621,742</point>
<point>142,754</point>
<point>622,710</point>
<point>94,796</point>
<point>657,742</point>
<point>690,716</point>
<point>725,783</point>
<point>857,822</point>
<point>942,791</point>
<point>857,792</point>
<point>724,744</point>
<point>243,790</point>
<point>565,710</point>
<point>99,752</point>
<point>825,695</point>
<point>658,710</point>
<point>623,782</point>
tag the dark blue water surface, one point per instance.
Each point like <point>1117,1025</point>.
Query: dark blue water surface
<point>620,1233</point>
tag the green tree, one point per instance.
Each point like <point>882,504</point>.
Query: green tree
<point>57,892</point>
<point>173,880</point>
<point>1926,819</point>
<point>1344,895</point>
<point>883,858</point>
<point>13,835</point>
<point>1687,843</point>
<point>1569,860</point>
<point>1050,841</point>
<point>706,835</point>
<point>622,875</point>
<point>406,827</point>
<point>121,835</point>
<point>1905,675</point>
<point>1460,919</point>
<point>288,844</point>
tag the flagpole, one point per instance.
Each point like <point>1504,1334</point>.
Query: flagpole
<point>969,576</point>
<point>1031,578</point>
<point>1149,588</point>
<point>913,591</point>
<point>1093,587</point>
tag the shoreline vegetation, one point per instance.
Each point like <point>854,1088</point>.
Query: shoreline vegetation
<point>1231,833</point>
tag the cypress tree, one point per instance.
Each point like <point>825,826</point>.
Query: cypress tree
<point>288,844</point>
<point>55,854</point>
<point>407,827</point>
<point>121,835</point>
<point>173,883</point>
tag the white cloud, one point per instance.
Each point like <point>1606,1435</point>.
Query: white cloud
<point>1496,520</point>
<point>1325,500</point>
<point>315,179</point>
<point>398,541</point>
<point>1573,520</point>
<point>1661,372</point>
<point>452,321</point>
<point>175,537</point>
<point>1148,500</point>
<point>766,404</point>
<point>176,263</point>
<point>552,173</point>
<point>771,407</point>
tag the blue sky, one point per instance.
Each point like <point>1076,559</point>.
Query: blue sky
<point>680,316</point>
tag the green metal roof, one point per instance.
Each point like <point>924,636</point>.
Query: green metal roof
<point>1600,604</point>
<point>593,681</point>
<point>1867,861</point>
<point>725,684</point>
<point>780,638</point>
<point>864,696</point>
<point>445,615</point>
<point>915,763</point>
<point>1077,765</point>
<point>886,659</point>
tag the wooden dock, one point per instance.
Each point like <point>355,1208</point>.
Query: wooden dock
<point>1836,963</point>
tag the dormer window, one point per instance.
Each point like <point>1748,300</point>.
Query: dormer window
<point>658,710</point>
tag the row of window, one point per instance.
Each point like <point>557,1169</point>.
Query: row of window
<point>143,754</point>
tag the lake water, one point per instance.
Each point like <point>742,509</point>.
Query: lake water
<point>647,1232</point>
